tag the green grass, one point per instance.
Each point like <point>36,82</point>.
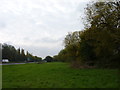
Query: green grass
<point>57,75</point>
<point>0,76</point>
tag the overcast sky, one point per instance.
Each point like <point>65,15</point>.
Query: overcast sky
<point>40,26</point>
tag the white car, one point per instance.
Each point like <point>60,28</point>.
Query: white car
<point>5,60</point>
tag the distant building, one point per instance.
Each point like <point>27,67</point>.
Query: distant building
<point>5,60</point>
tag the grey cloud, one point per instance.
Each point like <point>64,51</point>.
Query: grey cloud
<point>2,25</point>
<point>41,51</point>
<point>39,25</point>
<point>50,40</point>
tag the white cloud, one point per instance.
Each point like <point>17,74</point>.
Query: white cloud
<point>39,24</point>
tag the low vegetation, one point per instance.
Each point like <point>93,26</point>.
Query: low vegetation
<point>57,75</point>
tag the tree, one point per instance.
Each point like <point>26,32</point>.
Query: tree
<point>72,38</point>
<point>23,55</point>
<point>99,43</point>
<point>8,52</point>
<point>48,59</point>
<point>103,15</point>
<point>103,24</point>
<point>37,59</point>
<point>16,55</point>
<point>5,52</point>
<point>72,45</point>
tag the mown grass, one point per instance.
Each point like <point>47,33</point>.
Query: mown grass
<point>57,75</point>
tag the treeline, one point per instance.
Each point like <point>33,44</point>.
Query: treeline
<point>17,55</point>
<point>99,44</point>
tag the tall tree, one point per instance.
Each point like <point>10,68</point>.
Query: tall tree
<point>103,27</point>
<point>23,55</point>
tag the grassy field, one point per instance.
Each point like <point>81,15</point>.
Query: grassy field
<point>0,76</point>
<point>57,75</point>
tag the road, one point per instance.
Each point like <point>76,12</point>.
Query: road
<point>14,63</point>
<point>11,63</point>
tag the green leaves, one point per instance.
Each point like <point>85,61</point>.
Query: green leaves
<point>99,43</point>
<point>102,34</point>
<point>17,55</point>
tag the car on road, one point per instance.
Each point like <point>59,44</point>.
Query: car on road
<point>5,60</point>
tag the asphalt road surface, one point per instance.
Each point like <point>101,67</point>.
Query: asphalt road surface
<point>11,63</point>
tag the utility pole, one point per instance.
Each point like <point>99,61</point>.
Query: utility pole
<point>1,66</point>
<point>0,53</point>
